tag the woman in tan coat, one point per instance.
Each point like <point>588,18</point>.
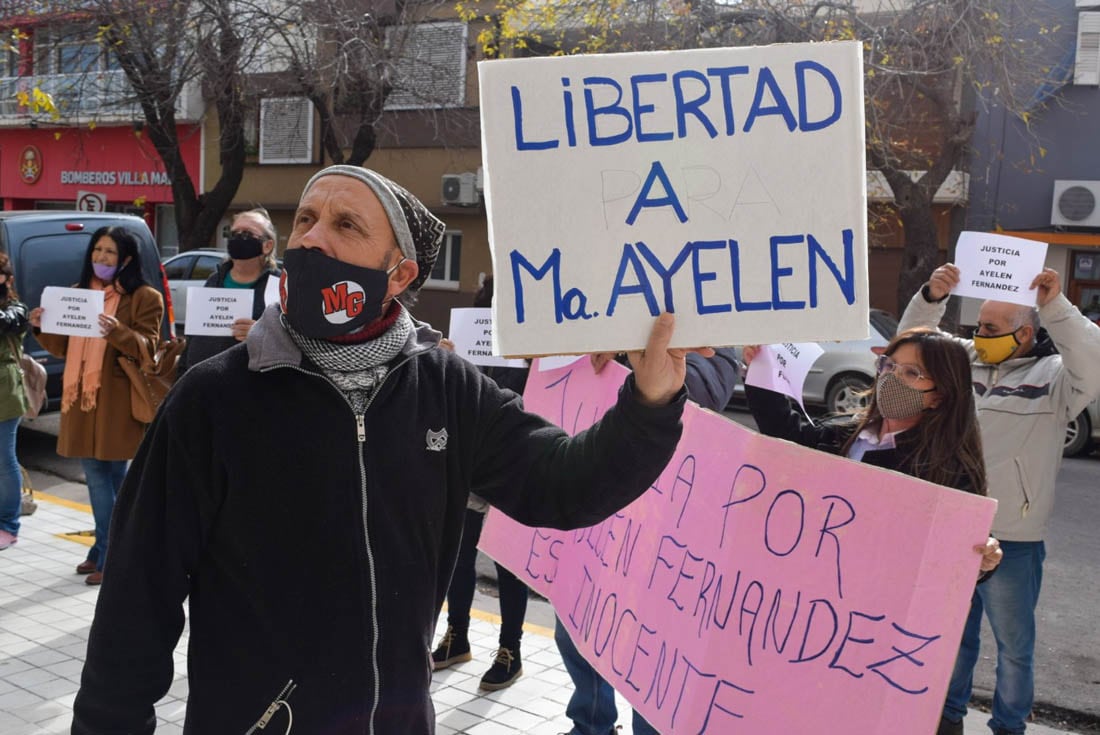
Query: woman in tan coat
<point>96,421</point>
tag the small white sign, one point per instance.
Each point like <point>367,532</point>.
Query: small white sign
<point>998,267</point>
<point>212,311</point>
<point>71,311</point>
<point>91,201</point>
<point>783,368</point>
<point>271,291</point>
<point>472,333</point>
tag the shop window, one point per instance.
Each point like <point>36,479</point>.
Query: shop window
<point>430,65</point>
<point>445,273</point>
<point>1086,266</point>
<point>286,130</point>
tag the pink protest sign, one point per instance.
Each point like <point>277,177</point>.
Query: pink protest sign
<point>758,587</point>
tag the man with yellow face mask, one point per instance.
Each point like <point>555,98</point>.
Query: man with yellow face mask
<point>1034,370</point>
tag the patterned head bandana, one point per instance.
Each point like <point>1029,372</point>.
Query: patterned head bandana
<point>419,233</point>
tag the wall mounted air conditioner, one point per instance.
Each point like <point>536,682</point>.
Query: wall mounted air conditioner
<point>1076,204</point>
<point>460,189</point>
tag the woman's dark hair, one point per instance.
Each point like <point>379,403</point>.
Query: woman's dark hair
<point>128,277</point>
<point>948,445</point>
<point>7,270</point>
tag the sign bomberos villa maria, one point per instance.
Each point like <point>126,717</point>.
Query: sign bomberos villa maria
<point>116,162</point>
<point>725,185</point>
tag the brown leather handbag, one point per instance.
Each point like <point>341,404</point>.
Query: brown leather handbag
<point>151,377</point>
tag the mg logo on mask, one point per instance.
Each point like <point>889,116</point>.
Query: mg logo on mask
<point>342,301</point>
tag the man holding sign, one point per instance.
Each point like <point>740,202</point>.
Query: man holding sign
<point>1029,382</point>
<point>315,581</point>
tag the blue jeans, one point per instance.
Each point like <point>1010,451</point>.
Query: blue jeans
<point>11,479</point>
<point>104,478</point>
<point>592,706</point>
<point>1008,598</point>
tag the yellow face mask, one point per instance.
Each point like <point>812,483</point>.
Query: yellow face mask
<point>996,349</point>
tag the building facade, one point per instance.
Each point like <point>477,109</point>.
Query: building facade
<point>90,152</point>
<point>1039,178</point>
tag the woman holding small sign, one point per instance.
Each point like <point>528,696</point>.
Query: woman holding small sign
<point>251,265</point>
<point>97,424</point>
<point>920,419</point>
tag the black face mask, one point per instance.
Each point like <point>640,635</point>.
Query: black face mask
<point>245,245</point>
<point>3,291</point>
<point>325,297</point>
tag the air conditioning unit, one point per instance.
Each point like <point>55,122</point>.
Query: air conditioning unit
<point>460,189</point>
<point>1076,204</point>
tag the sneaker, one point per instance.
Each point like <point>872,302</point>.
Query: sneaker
<point>453,648</point>
<point>949,727</point>
<point>7,539</point>
<point>505,670</point>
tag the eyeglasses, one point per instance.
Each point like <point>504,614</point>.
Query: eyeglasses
<point>246,235</point>
<point>908,373</point>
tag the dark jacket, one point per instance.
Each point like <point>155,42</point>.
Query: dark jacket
<point>710,381</point>
<point>329,565</point>
<point>202,346</point>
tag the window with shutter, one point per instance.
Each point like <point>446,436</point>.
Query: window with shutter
<point>1087,69</point>
<point>286,130</point>
<point>430,66</point>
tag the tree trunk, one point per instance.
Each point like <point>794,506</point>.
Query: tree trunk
<point>921,254</point>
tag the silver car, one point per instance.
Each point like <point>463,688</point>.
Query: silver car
<point>1084,431</point>
<point>840,378</point>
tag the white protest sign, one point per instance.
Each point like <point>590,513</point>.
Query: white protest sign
<point>212,311</point>
<point>998,267</point>
<point>71,311</point>
<point>727,185</point>
<point>472,332</point>
<point>271,291</point>
<point>783,368</point>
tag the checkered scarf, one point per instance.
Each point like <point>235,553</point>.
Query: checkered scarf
<point>355,368</point>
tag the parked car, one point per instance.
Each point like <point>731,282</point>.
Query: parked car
<point>47,249</point>
<point>1083,432</point>
<point>188,269</point>
<point>840,378</point>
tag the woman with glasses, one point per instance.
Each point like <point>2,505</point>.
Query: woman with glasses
<point>920,419</point>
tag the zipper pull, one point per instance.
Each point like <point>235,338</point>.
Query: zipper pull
<point>361,428</point>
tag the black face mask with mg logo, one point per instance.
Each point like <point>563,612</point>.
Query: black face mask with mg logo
<point>324,297</point>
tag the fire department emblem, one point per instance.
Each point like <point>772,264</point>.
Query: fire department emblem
<point>30,164</point>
